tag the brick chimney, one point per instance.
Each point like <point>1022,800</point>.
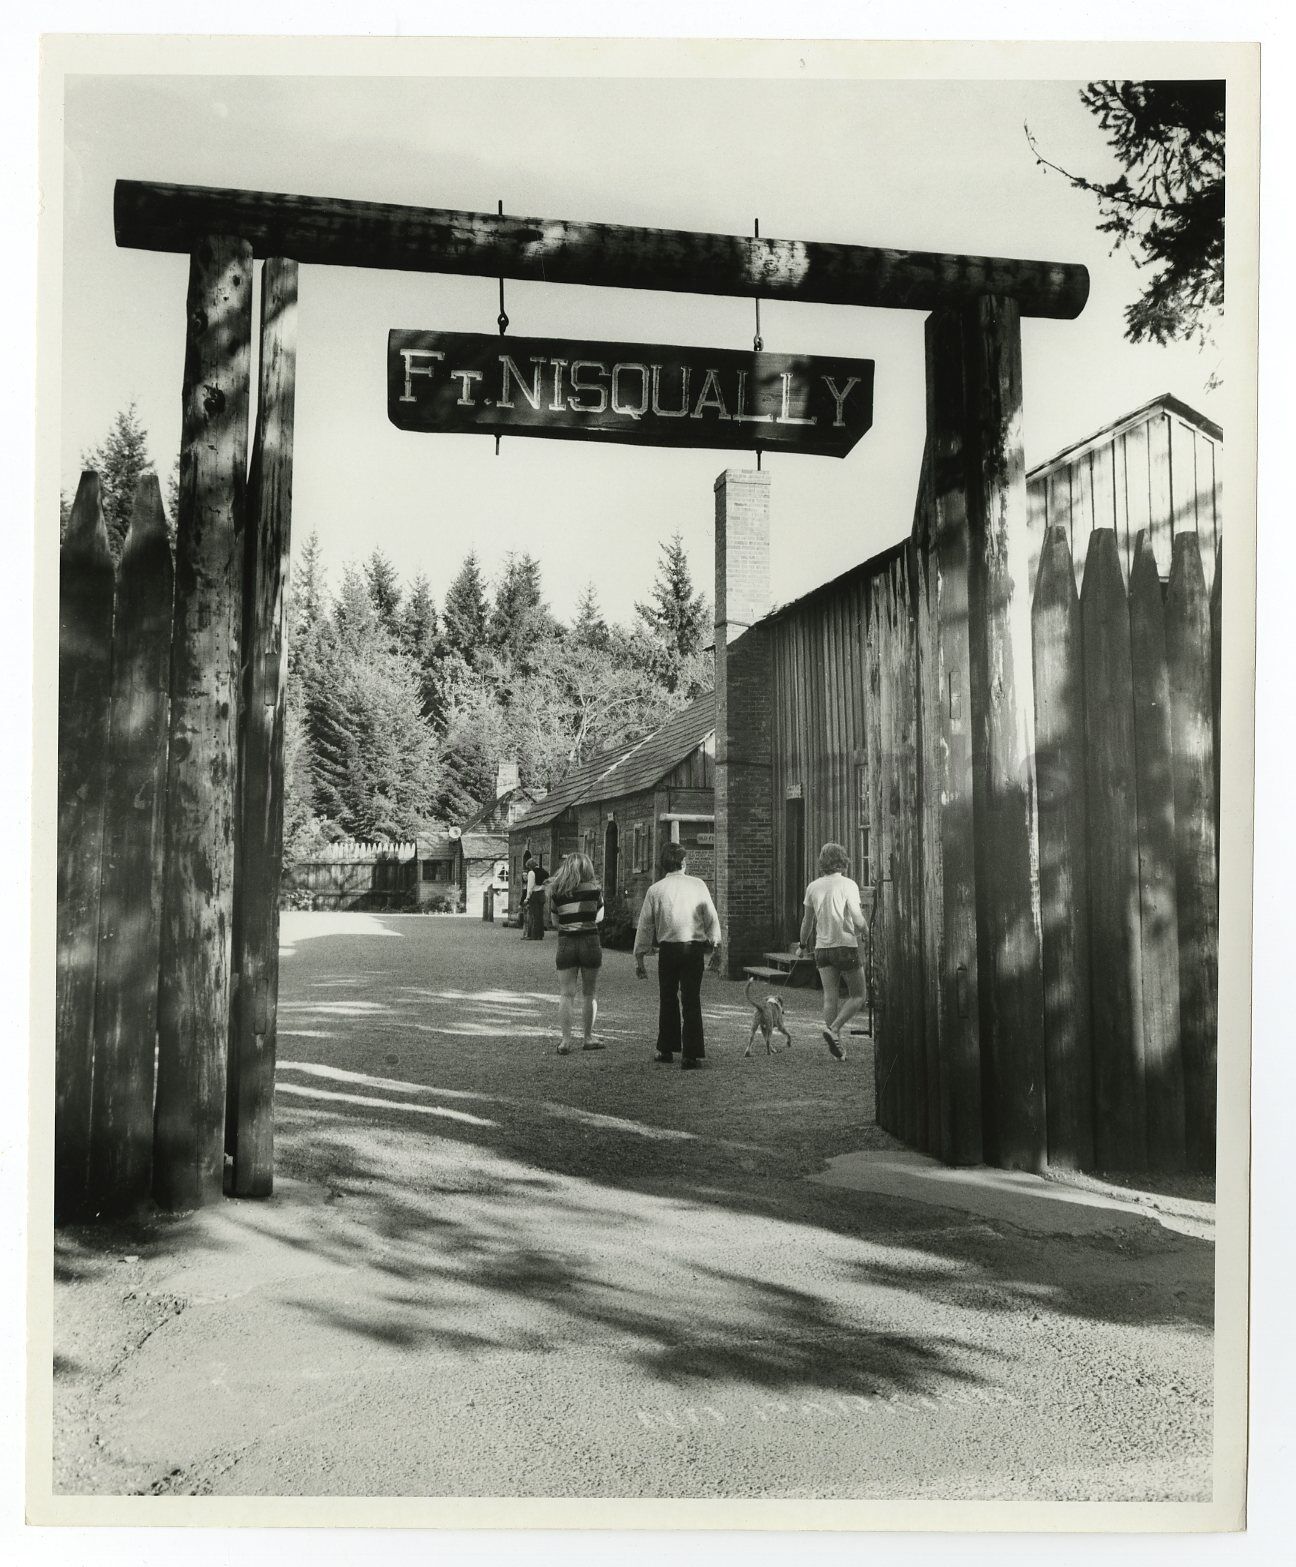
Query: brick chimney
<point>507,777</point>
<point>743,806</point>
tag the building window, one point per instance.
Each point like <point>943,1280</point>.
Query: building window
<point>863,857</point>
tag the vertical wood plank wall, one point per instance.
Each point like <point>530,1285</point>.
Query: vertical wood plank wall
<point>1160,474</point>
<point>872,707</point>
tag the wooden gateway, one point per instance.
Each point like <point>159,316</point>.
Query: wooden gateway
<point>218,847</point>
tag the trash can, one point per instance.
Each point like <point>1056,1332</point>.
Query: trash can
<point>488,905</point>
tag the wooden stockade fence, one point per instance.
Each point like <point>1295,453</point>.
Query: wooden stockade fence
<point>170,786</point>
<point>114,657</point>
<point>356,873</point>
<point>1039,802</point>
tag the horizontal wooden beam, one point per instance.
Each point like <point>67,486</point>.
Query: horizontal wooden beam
<point>334,232</point>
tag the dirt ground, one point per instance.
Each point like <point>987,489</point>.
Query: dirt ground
<point>491,1271</point>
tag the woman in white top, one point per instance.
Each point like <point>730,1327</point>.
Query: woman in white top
<point>834,916</point>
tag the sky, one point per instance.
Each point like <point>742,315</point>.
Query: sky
<point>937,165</point>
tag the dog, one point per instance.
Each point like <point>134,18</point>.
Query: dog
<point>768,1019</point>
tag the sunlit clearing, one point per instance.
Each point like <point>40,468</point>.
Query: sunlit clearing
<point>381,1104</point>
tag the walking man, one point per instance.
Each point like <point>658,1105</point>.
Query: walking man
<point>679,916</point>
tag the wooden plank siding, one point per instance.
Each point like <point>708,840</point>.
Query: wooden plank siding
<point>1157,469</point>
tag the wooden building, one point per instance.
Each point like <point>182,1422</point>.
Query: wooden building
<point>622,806</point>
<point>1044,914</point>
<point>1159,468</point>
<point>480,844</point>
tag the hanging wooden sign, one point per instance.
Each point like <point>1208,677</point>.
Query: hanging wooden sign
<point>644,394</point>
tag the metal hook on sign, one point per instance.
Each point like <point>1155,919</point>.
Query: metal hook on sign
<point>757,342</point>
<point>502,319</point>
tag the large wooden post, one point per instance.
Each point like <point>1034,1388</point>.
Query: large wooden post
<point>1188,649</point>
<point>947,762</point>
<point>249,1132</point>
<point>198,874</point>
<point>1158,920</point>
<point>130,894</point>
<point>85,662</point>
<point>1003,738</point>
<point>1064,870</point>
<point>1120,1124</point>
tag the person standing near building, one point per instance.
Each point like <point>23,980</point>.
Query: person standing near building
<point>576,909</point>
<point>835,919</point>
<point>535,899</point>
<point>680,917</point>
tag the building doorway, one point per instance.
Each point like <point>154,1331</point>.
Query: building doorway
<point>610,862</point>
<point>794,876</point>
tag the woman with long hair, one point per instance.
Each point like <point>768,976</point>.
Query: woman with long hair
<point>576,909</point>
<point>834,918</point>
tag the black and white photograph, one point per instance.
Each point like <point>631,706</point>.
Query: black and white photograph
<point>649,660</point>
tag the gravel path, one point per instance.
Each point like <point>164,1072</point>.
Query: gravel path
<point>489,1270</point>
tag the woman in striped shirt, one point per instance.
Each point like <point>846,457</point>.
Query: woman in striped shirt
<point>576,908</point>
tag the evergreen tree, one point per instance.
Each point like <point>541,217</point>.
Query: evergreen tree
<point>305,601</point>
<point>420,640</point>
<point>121,460</point>
<point>464,618</point>
<point>384,591</point>
<point>520,619</point>
<point>589,629</point>
<point>673,627</point>
<point>1167,205</point>
<point>354,618</point>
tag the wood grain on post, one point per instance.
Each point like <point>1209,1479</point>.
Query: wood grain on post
<point>1160,493</point>
<point>930,771</point>
<point>1003,738</point>
<point>885,1012</point>
<point>198,865</point>
<point>1120,1115</point>
<point>1217,664</point>
<point>1188,652</point>
<point>1158,922</point>
<point>342,233</point>
<point>898,782</point>
<point>85,670</point>
<point>1063,849</point>
<point>250,1133</point>
<point>910,779</point>
<point>949,776</point>
<point>131,889</point>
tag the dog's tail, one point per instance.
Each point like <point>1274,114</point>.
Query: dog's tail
<point>751,980</point>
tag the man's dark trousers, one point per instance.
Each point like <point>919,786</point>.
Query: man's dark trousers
<point>679,989</point>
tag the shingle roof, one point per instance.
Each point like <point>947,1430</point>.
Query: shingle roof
<point>663,749</point>
<point>435,846</point>
<point>628,768</point>
<point>484,845</point>
<point>484,810</point>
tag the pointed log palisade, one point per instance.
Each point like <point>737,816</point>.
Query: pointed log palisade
<point>85,684</point>
<point>1158,917</point>
<point>1120,1095</point>
<point>1063,849</point>
<point>249,1128</point>
<point>1189,654</point>
<point>198,868</point>
<point>131,878</point>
